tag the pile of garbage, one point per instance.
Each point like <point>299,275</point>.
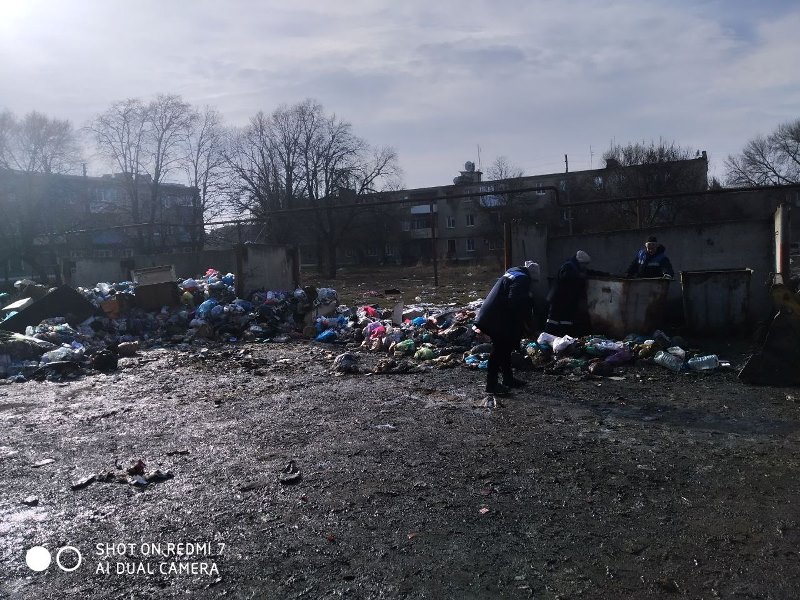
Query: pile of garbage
<point>202,309</point>
<point>601,356</point>
<point>206,308</point>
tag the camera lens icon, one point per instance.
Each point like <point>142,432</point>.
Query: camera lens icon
<point>38,558</point>
<point>68,558</point>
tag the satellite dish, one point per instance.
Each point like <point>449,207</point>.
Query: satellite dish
<point>469,166</point>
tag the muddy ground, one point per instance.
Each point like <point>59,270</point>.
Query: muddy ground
<point>659,485</point>
<point>401,486</point>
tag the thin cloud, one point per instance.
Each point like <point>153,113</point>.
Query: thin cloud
<point>531,80</point>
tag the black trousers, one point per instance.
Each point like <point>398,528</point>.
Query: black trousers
<point>500,358</point>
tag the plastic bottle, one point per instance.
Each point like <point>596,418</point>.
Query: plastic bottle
<point>665,359</point>
<point>704,363</point>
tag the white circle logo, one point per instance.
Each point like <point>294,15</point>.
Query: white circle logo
<point>38,558</point>
<point>77,553</point>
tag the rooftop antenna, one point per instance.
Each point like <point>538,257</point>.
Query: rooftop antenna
<point>479,158</point>
<point>591,157</point>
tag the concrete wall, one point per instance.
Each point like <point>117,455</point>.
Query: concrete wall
<point>192,264</point>
<point>261,266</point>
<point>269,267</point>
<point>529,242</point>
<point>733,245</point>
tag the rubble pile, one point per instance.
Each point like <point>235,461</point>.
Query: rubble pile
<point>206,308</point>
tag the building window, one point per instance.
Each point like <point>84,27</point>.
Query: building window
<point>470,220</point>
<point>451,247</point>
<point>470,245</point>
<point>349,253</point>
<point>102,253</point>
<point>562,185</point>
<point>598,183</point>
<point>539,190</point>
<point>388,250</point>
<point>495,244</point>
<point>451,222</point>
<point>372,250</point>
<point>406,225</point>
<point>423,223</point>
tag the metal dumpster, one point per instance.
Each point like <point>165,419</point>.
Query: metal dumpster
<point>716,302</point>
<point>618,307</point>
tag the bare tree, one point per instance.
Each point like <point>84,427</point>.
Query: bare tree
<point>37,144</point>
<point>253,162</point>
<point>300,156</point>
<point>120,134</point>
<point>771,160</point>
<point>146,143</point>
<point>502,168</point>
<point>7,123</point>
<point>168,120</point>
<point>31,202</point>
<point>337,165</point>
<point>204,169</point>
<point>636,170</point>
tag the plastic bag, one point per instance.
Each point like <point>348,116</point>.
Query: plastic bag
<point>405,348</point>
<point>562,343</point>
<point>329,335</point>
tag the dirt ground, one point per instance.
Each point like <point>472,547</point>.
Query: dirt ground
<point>289,481</point>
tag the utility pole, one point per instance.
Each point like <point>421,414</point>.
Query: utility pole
<point>566,184</point>
<point>433,245</point>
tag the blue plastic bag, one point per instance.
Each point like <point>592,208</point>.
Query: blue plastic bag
<point>329,335</point>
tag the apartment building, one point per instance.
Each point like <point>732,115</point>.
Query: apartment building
<point>47,217</point>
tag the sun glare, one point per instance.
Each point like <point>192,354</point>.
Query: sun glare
<point>17,14</point>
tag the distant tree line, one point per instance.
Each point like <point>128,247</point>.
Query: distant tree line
<point>299,157</point>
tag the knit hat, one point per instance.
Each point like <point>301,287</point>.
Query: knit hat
<point>583,257</point>
<point>533,269</point>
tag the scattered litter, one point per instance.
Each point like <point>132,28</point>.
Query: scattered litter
<point>84,482</point>
<point>136,469</point>
<point>290,474</point>
<point>31,501</point>
<point>346,363</point>
<point>43,462</point>
<point>483,510</point>
<point>126,349</point>
<point>386,426</point>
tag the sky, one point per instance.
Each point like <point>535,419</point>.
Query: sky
<point>440,81</point>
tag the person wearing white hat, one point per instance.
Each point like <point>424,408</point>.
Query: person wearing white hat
<point>566,293</point>
<point>503,316</point>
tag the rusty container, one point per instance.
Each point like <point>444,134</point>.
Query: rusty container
<point>717,302</point>
<point>618,307</point>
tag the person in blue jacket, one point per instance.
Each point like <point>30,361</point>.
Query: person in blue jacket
<point>566,295</point>
<point>651,261</point>
<point>504,316</point>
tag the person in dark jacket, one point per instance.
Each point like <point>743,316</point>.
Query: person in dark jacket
<point>651,261</point>
<point>566,294</point>
<point>504,316</point>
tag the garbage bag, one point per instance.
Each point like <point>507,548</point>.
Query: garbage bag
<point>329,335</point>
<point>405,348</point>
